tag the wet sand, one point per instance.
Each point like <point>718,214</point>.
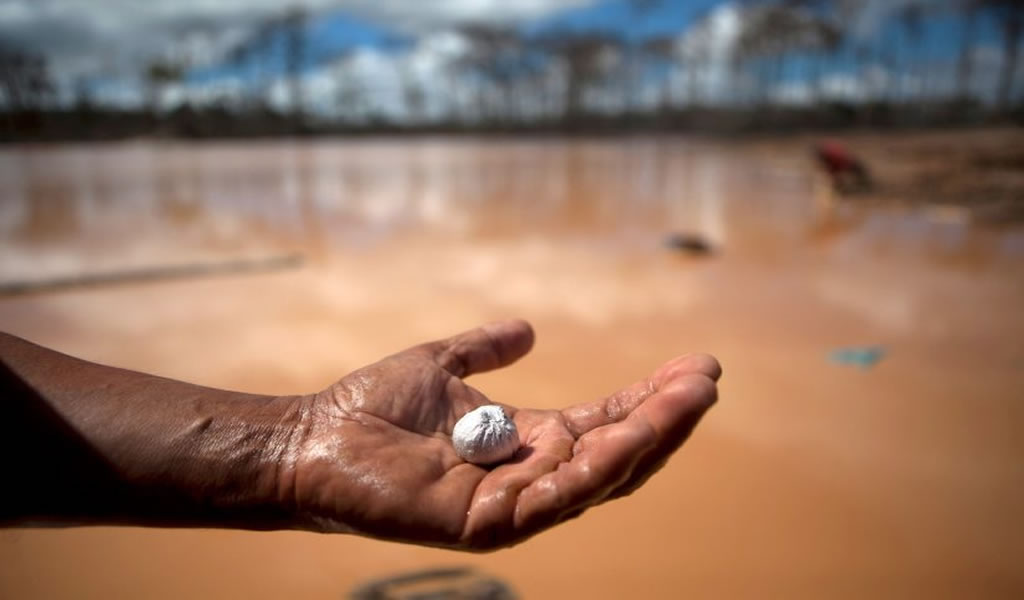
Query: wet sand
<point>808,479</point>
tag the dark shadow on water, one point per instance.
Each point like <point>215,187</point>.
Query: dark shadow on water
<point>453,583</point>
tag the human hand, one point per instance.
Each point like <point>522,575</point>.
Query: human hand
<point>373,452</point>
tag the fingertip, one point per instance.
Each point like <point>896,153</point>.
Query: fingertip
<point>708,365</point>
<point>695,389</point>
<point>687,364</point>
<point>514,336</point>
<point>486,347</point>
<point>679,405</point>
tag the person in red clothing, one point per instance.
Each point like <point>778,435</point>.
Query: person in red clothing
<point>847,173</point>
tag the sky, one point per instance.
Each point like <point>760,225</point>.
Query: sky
<point>83,36</point>
<point>110,41</point>
<point>113,39</point>
<point>78,33</point>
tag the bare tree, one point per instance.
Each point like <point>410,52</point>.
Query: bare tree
<point>413,95</point>
<point>159,74</point>
<point>640,58</point>
<point>965,63</point>
<point>1010,15</point>
<point>772,33</point>
<point>25,82</point>
<point>695,57</point>
<point>662,53</point>
<point>257,51</point>
<point>293,25</point>
<point>911,17</point>
<point>351,90</point>
<point>253,54</point>
<point>587,59</point>
<point>497,62</point>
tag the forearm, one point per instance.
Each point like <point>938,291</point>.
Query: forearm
<point>86,443</point>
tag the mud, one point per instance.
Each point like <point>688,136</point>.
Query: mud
<point>808,479</point>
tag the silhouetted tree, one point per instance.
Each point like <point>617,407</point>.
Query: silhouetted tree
<point>587,60</point>
<point>293,25</point>
<point>695,56</point>
<point>497,63</point>
<point>662,53</point>
<point>965,64</point>
<point>160,73</point>
<point>413,95</point>
<point>911,18</point>
<point>772,33</point>
<point>1010,16</point>
<point>253,53</point>
<point>82,99</point>
<point>351,90</point>
<point>25,82</point>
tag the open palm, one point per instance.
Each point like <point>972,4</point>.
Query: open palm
<point>375,453</point>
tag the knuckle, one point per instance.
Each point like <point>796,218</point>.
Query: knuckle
<point>614,409</point>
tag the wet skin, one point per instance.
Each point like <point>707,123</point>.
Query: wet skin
<point>371,454</point>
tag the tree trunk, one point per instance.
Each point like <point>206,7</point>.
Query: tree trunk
<point>1011,39</point>
<point>965,65</point>
<point>295,49</point>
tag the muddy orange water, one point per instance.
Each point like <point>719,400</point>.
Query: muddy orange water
<point>809,479</point>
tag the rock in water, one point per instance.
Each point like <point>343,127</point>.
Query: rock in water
<point>485,435</point>
<point>689,243</point>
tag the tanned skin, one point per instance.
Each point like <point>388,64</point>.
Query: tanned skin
<point>370,455</point>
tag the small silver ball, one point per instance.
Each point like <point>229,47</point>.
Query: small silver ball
<point>485,435</point>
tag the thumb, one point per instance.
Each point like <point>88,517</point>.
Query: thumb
<point>482,349</point>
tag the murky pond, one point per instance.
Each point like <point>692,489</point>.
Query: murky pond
<point>810,478</point>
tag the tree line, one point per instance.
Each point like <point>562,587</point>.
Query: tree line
<point>778,63</point>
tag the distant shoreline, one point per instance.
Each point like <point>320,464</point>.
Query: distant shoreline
<point>219,123</point>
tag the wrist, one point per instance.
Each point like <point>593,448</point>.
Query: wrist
<point>238,463</point>
<point>215,459</point>
<point>97,444</point>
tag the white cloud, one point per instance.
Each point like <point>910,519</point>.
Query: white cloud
<point>866,16</point>
<point>428,14</point>
<point>711,43</point>
<point>115,38</point>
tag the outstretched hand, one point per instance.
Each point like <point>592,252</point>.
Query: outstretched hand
<point>374,453</point>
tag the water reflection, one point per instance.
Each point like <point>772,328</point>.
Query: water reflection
<point>53,211</point>
<point>103,203</point>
